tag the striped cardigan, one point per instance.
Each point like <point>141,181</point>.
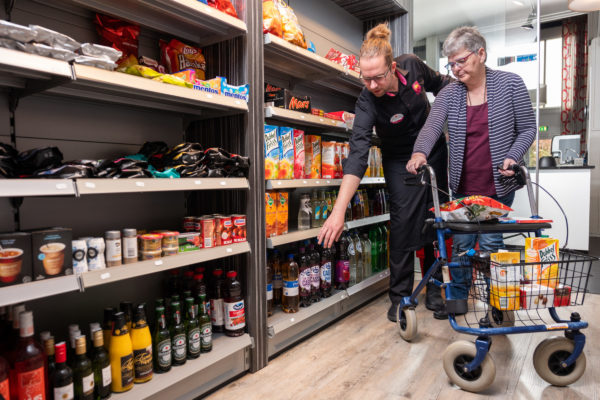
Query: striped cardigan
<point>511,124</point>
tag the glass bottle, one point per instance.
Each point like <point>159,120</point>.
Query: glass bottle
<point>62,378</point>
<point>199,288</point>
<point>269,288</point>
<point>325,272</point>
<point>107,325</point>
<point>216,301</point>
<point>291,297</point>
<point>192,329</point>
<point>329,199</point>
<point>83,374</point>
<point>316,210</point>
<point>161,343</point>
<point>342,268</point>
<point>141,341</point>
<point>277,277</point>
<point>126,307</point>
<point>383,262</point>
<point>366,203</point>
<point>349,215</point>
<point>324,208</point>
<point>101,366</point>
<point>315,273</point>
<point>305,213</point>
<point>304,279</point>
<point>373,237</point>
<point>4,379</point>
<point>234,307</point>
<point>48,343</point>
<point>367,263</point>
<point>359,256</point>
<point>121,355</point>
<point>27,361</point>
<point>178,337</point>
<point>352,259</point>
<point>205,326</point>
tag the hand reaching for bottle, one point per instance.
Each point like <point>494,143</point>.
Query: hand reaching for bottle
<point>331,229</point>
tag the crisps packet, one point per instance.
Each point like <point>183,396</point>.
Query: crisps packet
<point>291,28</point>
<point>177,56</point>
<point>472,209</point>
<point>271,18</point>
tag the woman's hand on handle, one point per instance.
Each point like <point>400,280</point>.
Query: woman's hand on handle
<point>416,161</point>
<point>331,229</point>
<point>505,170</point>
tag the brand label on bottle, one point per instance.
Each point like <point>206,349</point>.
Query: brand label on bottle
<point>235,315</point>
<point>130,247</point>
<point>342,271</point>
<point>304,280</point>
<point>106,376</point>
<point>142,362</point>
<point>127,370</point>
<point>113,249</point>
<point>6,394</point>
<point>315,276</point>
<point>61,393</point>
<point>326,272</point>
<point>277,281</point>
<point>358,246</point>
<point>179,347</point>
<point>290,288</point>
<point>206,338</point>
<point>324,213</point>
<point>317,212</point>
<point>164,353</point>
<point>351,248</point>
<point>269,292</point>
<point>30,384</point>
<point>194,341</point>
<point>216,312</point>
<point>88,384</point>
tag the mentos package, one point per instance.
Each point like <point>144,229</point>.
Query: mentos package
<point>241,92</point>
<point>271,152</point>
<point>298,154</point>
<point>543,250</point>
<point>285,138</point>
<point>472,209</point>
<point>210,85</point>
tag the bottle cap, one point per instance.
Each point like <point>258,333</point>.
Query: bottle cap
<point>73,328</point>
<point>94,326</point>
<point>80,346</point>
<point>60,352</point>
<point>119,327</point>
<point>188,274</point>
<point>98,338</point>
<point>112,235</point>
<point>17,310</point>
<point>231,274</point>
<point>45,335</point>
<point>290,257</point>
<point>26,324</point>
<point>198,277</point>
<point>130,232</point>
<point>218,272</point>
<point>49,345</point>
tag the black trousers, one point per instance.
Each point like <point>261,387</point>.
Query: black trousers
<point>409,208</point>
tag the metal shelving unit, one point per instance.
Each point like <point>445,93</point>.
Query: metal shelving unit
<point>309,183</point>
<point>38,289</point>
<point>37,187</point>
<point>297,118</point>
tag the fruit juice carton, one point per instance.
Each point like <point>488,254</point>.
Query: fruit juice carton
<point>542,250</point>
<point>271,152</point>
<point>281,225</point>
<point>339,172</point>
<point>312,156</point>
<point>271,213</point>
<point>285,139</point>
<point>534,296</point>
<point>298,154</point>
<point>15,258</point>
<point>505,279</point>
<point>328,160</point>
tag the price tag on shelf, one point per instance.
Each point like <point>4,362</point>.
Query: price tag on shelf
<point>302,116</point>
<point>292,319</point>
<point>61,186</point>
<point>223,183</point>
<point>105,275</point>
<point>140,184</point>
<point>209,96</point>
<point>90,185</point>
<point>198,182</point>
<point>317,182</point>
<point>158,262</point>
<point>279,183</point>
<point>229,250</point>
<point>306,183</point>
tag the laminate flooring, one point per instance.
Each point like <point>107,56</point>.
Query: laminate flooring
<point>362,357</point>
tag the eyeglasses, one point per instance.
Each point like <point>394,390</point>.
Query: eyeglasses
<point>459,63</point>
<point>377,78</point>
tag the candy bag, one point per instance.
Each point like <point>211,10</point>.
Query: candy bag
<point>118,34</point>
<point>472,209</point>
<point>292,32</point>
<point>224,6</point>
<point>271,19</point>
<point>177,56</point>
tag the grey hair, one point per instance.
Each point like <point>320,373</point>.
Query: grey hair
<point>465,37</point>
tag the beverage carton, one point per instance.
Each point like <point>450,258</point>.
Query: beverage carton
<point>286,152</point>
<point>281,226</point>
<point>298,154</point>
<point>562,295</point>
<point>271,152</point>
<point>312,156</point>
<point>505,279</point>
<point>339,172</point>
<point>328,160</point>
<point>542,250</point>
<point>271,213</point>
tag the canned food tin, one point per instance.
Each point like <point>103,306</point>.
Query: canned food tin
<point>150,255</point>
<point>189,224</point>
<point>239,228</point>
<point>150,242</point>
<point>198,224</point>
<point>208,231</point>
<point>224,230</point>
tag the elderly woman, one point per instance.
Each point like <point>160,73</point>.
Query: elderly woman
<point>491,126</point>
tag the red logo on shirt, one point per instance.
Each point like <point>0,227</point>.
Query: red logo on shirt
<point>416,87</point>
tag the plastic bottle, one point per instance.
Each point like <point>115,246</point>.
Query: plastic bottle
<point>367,263</point>
<point>324,208</point>
<point>234,307</point>
<point>304,280</point>
<point>316,210</point>
<point>325,272</point>
<point>353,260</point>
<point>304,213</point>
<point>315,273</point>
<point>141,341</point>
<point>277,277</point>
<point>342,268</point>
<point>269,289</point>
<point>290,302</point>
<point>358,247</point>
<point>121,355</point>
<point>216,301</point>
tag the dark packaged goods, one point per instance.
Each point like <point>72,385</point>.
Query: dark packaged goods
<point>38,159</point>
<point>8,161</point>
<point>284,98</point>
<point>52,252</point>
<point>15,258</point>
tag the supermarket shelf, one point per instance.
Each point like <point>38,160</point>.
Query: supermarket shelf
<point>297,118</point>
<point>36,187</point>
<point>114,274</point>
<point>379,9</point>
<point>30,73</point>
<point>38,289</point>
<point>308,183</point>
<point>120,88</point>
<point>312,233</point>
<point>285,330</point>
<point>101,186</point>
<point>188,19</point>
<point>228,358</point>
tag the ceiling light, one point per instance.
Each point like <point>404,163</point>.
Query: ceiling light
<point>519,3</point>
<point>584,5</point>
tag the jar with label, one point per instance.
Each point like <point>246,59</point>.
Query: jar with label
<point>130,248</point>
<point>112,240</point>
<point>150,242</point>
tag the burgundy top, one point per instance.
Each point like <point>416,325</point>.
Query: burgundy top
<point>477,173</point>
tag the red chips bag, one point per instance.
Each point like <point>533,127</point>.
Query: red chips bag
<point>177,56</point>
<point>224,6</point>
<point>118,34</point>
<point>472,209</point>
<point>271,18</point>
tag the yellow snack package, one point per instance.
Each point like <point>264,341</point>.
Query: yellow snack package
<point>542,250</point>
<point>505,277</point>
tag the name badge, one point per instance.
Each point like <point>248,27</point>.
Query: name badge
<point>397,118</point>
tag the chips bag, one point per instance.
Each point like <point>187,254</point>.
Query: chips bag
<point>271,19</point>
<point>291,28</point>
<point>224,6</point>
<point>177,56</point>
<point>472,209</point>
<point>118,34</point>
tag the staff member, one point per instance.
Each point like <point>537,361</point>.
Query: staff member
<point>394,102</point>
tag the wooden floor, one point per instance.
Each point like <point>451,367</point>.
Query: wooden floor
<point>363,357</point>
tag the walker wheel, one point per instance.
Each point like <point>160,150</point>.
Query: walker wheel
<point>549,355</point>
<point>407,322</point>
<point>459,354</point>
<point>501,319</point>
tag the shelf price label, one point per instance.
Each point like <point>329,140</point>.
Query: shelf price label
<point>105,275</point>
<point>198,182</point>
<point>61,186</point>
<point>158,262</point>
<point>140,184</point>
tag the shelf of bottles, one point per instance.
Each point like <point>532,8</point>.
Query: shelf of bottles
<point>308,183</point>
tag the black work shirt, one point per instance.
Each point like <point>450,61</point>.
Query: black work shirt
<point>397,119</point>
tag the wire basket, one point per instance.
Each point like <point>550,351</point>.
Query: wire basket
<point>521,293</point>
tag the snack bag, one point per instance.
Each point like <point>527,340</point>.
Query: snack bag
<point>271,152</point>
<point>118,34</point>
<point>282,213</point>
<point>505,280</point>
<point>271,213</point>
<point>224,6</point>
<point>328,160</point>
<point>312,156</point>
<point>472,209</point>
<point>177,56</point>
<point>298,154</point>
<point>286,152</point>
<point>210,86</point>
<point>271,19</point>
<point>542,250</point>
<point>238,92</point>
<point>291,28</point>
<point>562,295</point>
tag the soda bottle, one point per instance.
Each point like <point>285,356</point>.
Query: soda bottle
<point>277,278</point>
<point>359,256</point>
<point>342,268</point>
<point>316,210</point>
<point>367,200</point>
<point>291,296</point>
<point>366,245</point>
<point>325,272</point>
<point>352,258</point>
<point>362,197</point>
<point>233,306</point>
<point>304,279</point>
<point>304,213</point>
<point>269,288</point>
<point>373,235</point>
<point>216,301</point>
<point>315,274</point>
<point>356,212</point>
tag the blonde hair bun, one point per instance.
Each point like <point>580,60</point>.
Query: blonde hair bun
<point>381,31</point>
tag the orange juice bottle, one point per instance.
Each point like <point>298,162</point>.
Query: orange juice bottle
<point>121,355</point>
